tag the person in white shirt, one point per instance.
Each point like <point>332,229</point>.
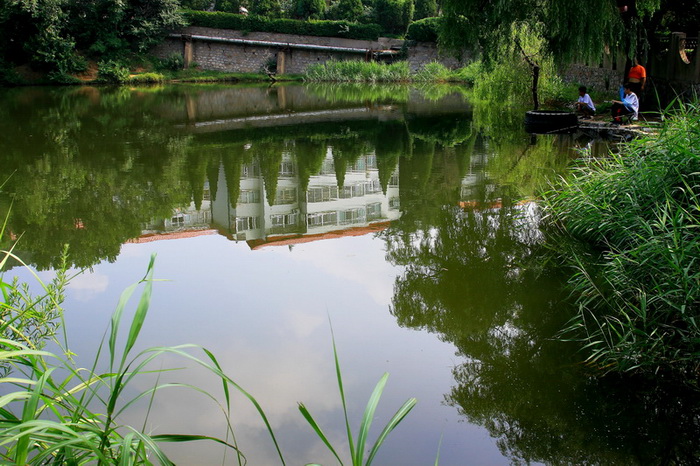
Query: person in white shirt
<point>584,104</point>
<point>629,104</point>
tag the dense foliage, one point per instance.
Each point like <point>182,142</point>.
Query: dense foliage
<point>309,9</point>
<point>394,15</point>
<point>284,26</point>
<point>571,29</point>
<point>349,10</point>
<point>49,33</point>
<point>424,30</point>
<point>637,280</point>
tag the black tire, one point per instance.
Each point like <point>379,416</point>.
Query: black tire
<point>550,121</point>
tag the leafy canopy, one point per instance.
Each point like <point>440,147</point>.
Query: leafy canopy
<point>571,29</point>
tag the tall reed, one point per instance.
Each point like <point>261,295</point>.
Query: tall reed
<point>358,71</point>
<point>635,222</point>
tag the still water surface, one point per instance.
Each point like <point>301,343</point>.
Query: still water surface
<point>402,217</point>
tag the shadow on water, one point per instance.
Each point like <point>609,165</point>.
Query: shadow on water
<point>450,187</point>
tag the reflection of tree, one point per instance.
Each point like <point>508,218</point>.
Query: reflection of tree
<point>476,276</point>
<point>233,157</point>
<point>391,143</point>
<point>310,155</point>
<point>346,151</point>
<point>269,154</point>
<point>85,175</point>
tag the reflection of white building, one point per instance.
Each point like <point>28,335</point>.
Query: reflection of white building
<point>185,222</point>
<point>185,218</point>
<point>324,208</point>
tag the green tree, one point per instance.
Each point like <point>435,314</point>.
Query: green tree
<point>393,15</point>
<point>36,31</point>
<point>48,32</point>
<point>425,9</point>
<point>309,9</point>
<point>348,10</point>
<point>564,26</point>
<point>270,8</point>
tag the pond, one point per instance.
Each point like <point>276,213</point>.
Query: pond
<point>399,222</point>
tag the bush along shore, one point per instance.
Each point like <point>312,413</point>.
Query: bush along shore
<point>629,227</point>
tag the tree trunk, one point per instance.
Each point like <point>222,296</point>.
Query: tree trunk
<point>535,75</point>
<point>535,80</point>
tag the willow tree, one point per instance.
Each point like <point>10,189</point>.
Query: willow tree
<point>569,29</point>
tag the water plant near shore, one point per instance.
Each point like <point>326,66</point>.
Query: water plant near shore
<point>634,219</point>
<point>53,411</point>
<point>357,446</point>
<point>357,71</point>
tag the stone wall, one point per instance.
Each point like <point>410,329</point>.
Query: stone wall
<point>236,51</point>
<point>672,70</point>
<point>594,78</point>
<point>422,53</point>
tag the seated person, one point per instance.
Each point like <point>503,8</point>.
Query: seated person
<point>628,105</point>
<point>584,104</point>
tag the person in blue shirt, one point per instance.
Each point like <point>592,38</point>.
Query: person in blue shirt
<point>628,105</point>
<point>584,104</point>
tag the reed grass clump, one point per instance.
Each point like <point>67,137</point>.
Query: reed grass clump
<point>358,71</point>
<point>634,219</point>
<point>147,78</point>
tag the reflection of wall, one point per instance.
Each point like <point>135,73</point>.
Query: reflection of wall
<point>324,207</point>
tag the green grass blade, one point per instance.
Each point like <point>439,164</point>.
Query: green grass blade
<point>395,420</point>
<point>339,377</point>
<point>116,319</point>
<point>314,425</point>
<point>367,419</point>
<point>141,310</point>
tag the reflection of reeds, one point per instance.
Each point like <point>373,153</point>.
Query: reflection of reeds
<point>360,93</point>
<point>638,283</point>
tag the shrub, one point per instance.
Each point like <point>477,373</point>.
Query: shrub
<point>350,10</point>
<point>112,71</point>
<point>62,78</point>
<point>394,15</point>
<point>8,75</point>
<point>470,73</point>
<point>283,26</point>
<point>424,30</point>
<point>147,78</point>
<point>174,62</point>
<point>435,71</point>
<point>309,9</point>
